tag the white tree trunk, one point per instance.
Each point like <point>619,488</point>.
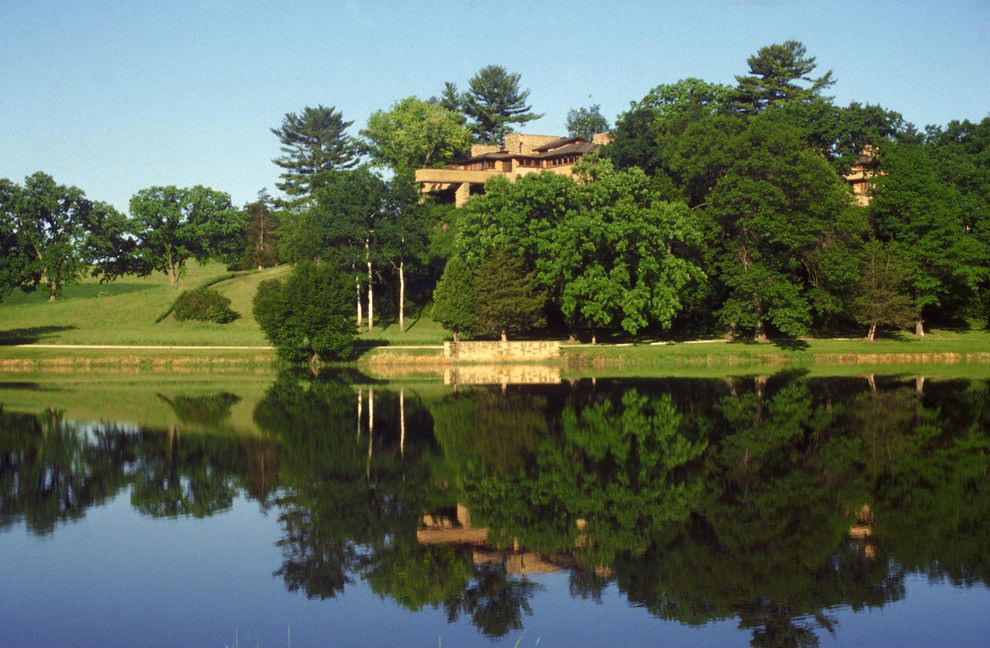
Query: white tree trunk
<point>402,296</point>
<point>371,299</point>
<point>360,404</point>
<point>357,290</point>
<point>402,422</point>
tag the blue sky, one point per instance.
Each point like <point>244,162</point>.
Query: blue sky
<point>117,96</point>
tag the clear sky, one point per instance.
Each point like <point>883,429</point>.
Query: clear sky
<point>117,96</point>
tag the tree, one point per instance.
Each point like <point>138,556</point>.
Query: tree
<point>649,134</point>
<point>513,300</point>
<point>260,233</point>
<point>18,269</point>
<point>494,102</point>
<point>784,232</point>
<point>401,233</point>
<point>620,257</point>
<point>308,317</point>
<point>880,298</point>
<point>451,98</point>
<point>914,208</point>
<point>314,143</point>
<point>414,134</point>
<point>54,222</point>
<point>586,122</point>
<point>173,225</point>
<point>454,300</point>
<point>774,73</point>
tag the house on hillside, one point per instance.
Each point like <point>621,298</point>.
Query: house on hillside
<point>519,154</point>
<point>861,173</point>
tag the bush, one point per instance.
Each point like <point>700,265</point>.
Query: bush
<point>309,315</point>
<point>205,305</point>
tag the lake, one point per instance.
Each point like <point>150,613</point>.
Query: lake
<point>292,510</point>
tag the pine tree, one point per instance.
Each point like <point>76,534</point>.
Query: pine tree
<point>510,299</point>
<point>494,102</point>
<point>314,144</point>
<point>881,295</point>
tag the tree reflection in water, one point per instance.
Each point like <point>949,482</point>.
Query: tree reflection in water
<point>699,500</point>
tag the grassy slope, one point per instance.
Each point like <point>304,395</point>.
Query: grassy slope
<point>124,312</point>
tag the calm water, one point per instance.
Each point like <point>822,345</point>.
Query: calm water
<point>772,511</point>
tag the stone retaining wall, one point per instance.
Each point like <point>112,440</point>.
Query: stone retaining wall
<point>501,351</point>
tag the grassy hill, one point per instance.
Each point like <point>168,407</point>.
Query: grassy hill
<point>125,312</point>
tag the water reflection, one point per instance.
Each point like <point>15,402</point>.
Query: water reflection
<point>769,500</point>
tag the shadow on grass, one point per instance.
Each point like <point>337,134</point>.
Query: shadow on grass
<point>30,335</point>
<point>791,344</point>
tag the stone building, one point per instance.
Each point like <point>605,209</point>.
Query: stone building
<point>861,173</point>
<point>519,154</point>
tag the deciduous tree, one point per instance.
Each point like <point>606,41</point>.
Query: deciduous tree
<point>586,122</point>
<point>308,316</point>
<point>173,225</point>
<point>415,133</point>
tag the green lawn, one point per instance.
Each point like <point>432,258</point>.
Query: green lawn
<point>124,312</point>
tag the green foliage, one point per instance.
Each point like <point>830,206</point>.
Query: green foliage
<point>415,133</point>
<point>205,305</point>
<point>493,102</point>
<point>314,143</point>
<point>619,257</point>
<point>341,219</point>
<point>774,73</point>
<point>586,122</point>
<point>454,298</point>
<point>172,225</point>
<point>509,299</point>
<point>880,297</point>
<point>17,270</point>
<point>51,234</point>
<point>308,316</point>
<point>922,214</point>
<point>783,230</point>
<point>260,234</point>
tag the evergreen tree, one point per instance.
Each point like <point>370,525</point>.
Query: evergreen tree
<point>494,102</point>
<point>314,143</point>
<point>881,298</point>
<point>509,298</point>
<point>454,299</point>
<point>774,73</point>
<point>260,232</point>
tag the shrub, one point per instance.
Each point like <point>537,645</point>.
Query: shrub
<point>205,305</point>
<point>308,316</point>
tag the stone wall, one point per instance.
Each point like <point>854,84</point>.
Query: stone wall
<point>501,374</point>
<point>501,351</point>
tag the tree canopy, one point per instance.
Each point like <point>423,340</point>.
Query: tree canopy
<point>314,143</point>
<point>415,133</point>
<point>494,102</point>
<point>172,225</point>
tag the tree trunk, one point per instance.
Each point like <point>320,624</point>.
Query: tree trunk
<point>357,290</point>
<point>402,296</point>
<point>761,334</point>
<point>504,338</point>
<point>872,335</point>
<point>173,274</point>
<point>871,380</point>
<point>402,422</point>
<point>371,302</point>
<point>919,386</point>
<point>919,327</point>
<point>52,291</point>
<point>359,412</point>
